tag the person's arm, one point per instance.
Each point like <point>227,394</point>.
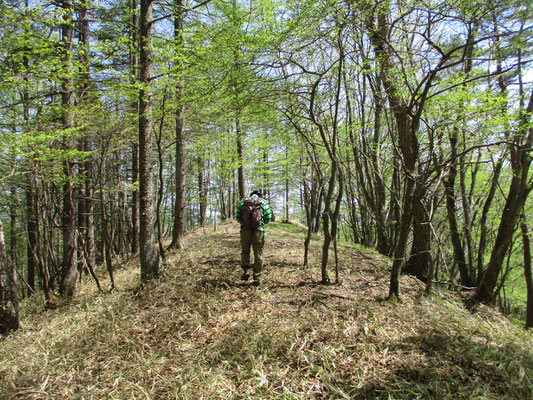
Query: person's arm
<point>238,214</point>
<point>267,213</point>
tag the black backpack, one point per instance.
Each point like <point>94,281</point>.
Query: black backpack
<point>251,213</point>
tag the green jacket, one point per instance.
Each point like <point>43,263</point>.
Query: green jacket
<point>266,214</point>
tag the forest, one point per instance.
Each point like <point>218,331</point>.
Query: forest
<point>400,126</point>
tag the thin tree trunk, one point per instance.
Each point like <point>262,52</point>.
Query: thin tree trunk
<point>30,190</point>
<point>135,145</point>
<point>325,247</point>
<point>202,191</point>
<point>90,266</point>
<point>148,253</point>
<point>178,233</point>
<point>13,253</point>
<point>335,224</point>
<point>465,267</point>
<point>406,129</point>
<point>266,181</point>
<point>106,240</point>
<point>69,272</point>
<point>451,208</point>
<point>311,196</point>
<point>135,217</point>
<point>9,309</point>
<point>484,216</point>
<point>401,242</point>
<point>514,204</point>
<point>527,272</point>
<point>287,184</point>
<point>240,156</point>
<point>86,203</point>
<point>499,164</point>
<point>38,250</point>
<point>161,186</point>
<point>32,238</point>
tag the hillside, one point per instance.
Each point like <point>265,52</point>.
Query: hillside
<point>198,332</point>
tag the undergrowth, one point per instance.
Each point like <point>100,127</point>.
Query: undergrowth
<point>198,332</point>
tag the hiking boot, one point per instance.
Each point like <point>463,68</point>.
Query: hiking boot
<point>246,275</point>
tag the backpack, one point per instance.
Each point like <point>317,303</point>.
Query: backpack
<point>251,213</point>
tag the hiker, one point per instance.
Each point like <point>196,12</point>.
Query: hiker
<point>253,213</point>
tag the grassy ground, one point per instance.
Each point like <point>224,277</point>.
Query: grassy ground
<point>200,333</point>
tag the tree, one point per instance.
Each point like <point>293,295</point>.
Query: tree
<point>133,59</point>
<point>520,141</point>
<point>148,251</point>
<point>69,272</point>
<point>521,186</point>
<point>9,311</point>
<point>527,272</point>
<point>178,233</point>
<point>409,99</point>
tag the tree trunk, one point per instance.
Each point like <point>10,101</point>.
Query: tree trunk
<point>134,62</point>
<point>527,273</point>
<point>32,239</point>
<point>312,193</point>
<point>325,247</point>
<point>161,185</point>
<point>30,189</point>
<point>106,237</point>
<point>240,156</point>
<point>135,200</point>
<point>465,266</point>
<point>514,204</point>
<point>266,181</point>
<point>504,109</point>
<point>86,203</point>
<point>287,183</point>
<point>69,271</point>
<point>178,233</point>
<point>367,171</point>
<point>335,223</point>
<point>383,241</point>
<point>38,249</point>
<point>148,253</point>
<point>484,216</point>
<point>451,208</point>
<point>13,253</point>
<point>9,310</point>
<point>419,260</point>
<point>401,242</point>
<point>326,218</point>
<point>406,129</point>
<point>202,191</point>
<point>513,207</point>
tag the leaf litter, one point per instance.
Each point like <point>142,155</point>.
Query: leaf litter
<point>198,332</point>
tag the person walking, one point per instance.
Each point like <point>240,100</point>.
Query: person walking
<point>253,213</point>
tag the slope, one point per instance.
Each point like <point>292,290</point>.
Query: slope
<point>200,333</point>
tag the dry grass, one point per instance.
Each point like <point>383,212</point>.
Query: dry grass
<point>200,333</point>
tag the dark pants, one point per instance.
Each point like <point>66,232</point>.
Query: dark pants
<point>256,239</point>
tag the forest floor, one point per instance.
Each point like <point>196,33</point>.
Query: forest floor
<point>198,332</point>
